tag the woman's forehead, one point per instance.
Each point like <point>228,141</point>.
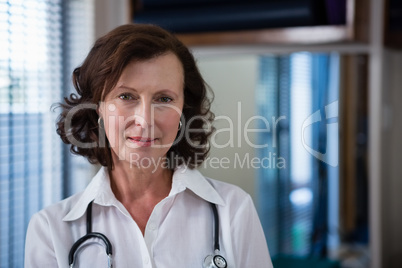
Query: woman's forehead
<point>158,73</point>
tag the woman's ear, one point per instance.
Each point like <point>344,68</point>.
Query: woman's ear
<point>100,109</point>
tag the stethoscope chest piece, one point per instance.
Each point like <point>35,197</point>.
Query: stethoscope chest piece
<point>215,261</point>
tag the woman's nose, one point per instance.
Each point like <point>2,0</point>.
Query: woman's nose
<point>143,116</point>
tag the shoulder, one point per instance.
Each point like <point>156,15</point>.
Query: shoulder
<point>48,235</point>
<point>233,196</point>
<point>77,202</point>
<point>227,190</point>
<point>57,211</point>
<point>47,225</point>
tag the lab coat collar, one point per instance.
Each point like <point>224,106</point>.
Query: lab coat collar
<point>192,179</point>
<point>100,192</point>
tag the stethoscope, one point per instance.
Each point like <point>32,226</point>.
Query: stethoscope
<point>211,261</point>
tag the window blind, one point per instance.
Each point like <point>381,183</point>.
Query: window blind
<point>293,199</point>
<point>30,151</point>
<point>78,38</point>
<point>299,185</point>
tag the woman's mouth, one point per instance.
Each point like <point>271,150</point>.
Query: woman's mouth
<point>142,141</point>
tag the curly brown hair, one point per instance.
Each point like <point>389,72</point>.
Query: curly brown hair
<point>97,76</point>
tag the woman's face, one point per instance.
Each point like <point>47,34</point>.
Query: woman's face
<point>142,113</point>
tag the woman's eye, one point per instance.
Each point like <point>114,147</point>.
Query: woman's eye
<point>165,99</point>
<point>125,97</point>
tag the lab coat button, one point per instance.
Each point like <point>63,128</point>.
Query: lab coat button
<point>152,226</point>
<point>146,260</point>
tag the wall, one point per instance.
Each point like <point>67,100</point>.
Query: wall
<point>110,14</point>
<point>233,80</point>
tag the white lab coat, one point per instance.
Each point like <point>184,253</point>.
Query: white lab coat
<point>179,232</point>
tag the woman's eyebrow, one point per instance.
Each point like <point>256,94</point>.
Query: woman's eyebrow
<point>126,87</point>
<point>167,91</point>
<point>162,91</point>
<point>158,92</point>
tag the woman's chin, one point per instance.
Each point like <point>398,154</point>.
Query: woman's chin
<point>143,157</point>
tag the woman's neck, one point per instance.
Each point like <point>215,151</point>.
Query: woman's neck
<point>132,184</point>
<point>140,190</point>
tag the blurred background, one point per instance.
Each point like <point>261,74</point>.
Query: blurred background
<point>306,98</point>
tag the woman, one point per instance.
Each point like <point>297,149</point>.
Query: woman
<point>142,112</point>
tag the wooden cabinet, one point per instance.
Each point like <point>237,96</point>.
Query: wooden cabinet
<point>355,30</point>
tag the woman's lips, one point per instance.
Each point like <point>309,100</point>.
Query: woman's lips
<point>142,141</point>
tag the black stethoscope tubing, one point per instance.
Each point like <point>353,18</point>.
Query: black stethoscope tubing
<point>216,228</point>
<point>90,234</point>
<point>109,249</point>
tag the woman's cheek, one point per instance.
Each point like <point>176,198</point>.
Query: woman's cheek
<point>112,130</point>
<point>171,127</point>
